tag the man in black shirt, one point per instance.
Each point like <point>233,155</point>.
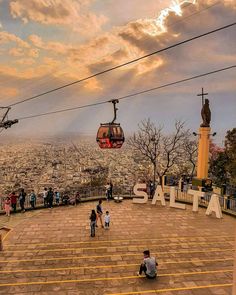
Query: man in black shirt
<point>22,196</point>
<point>50,197</point>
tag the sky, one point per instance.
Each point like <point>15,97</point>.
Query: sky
<point>48,43</point>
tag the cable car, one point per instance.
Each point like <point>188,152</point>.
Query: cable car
<point>110,135</point>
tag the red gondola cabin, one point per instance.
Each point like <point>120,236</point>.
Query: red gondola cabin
<point>110,135</point>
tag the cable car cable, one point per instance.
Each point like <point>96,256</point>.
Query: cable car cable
<point>124,64</point>
<point>129,95</point>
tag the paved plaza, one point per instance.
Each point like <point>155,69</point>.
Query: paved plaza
<point>51,251</point>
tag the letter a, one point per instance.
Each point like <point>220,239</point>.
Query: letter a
<point>214,206</point>
<point>139,193</point>
<point>159,196</point>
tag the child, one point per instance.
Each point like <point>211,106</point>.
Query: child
<point>93,218</point>
<point>107,220</point>
<point>7,206</point>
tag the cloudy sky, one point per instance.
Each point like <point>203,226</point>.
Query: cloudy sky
<point>47,43</point>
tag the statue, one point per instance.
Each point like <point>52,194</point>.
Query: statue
<point>206,114</point>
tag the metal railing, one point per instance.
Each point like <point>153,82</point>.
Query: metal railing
<point>228,204</point>
<point>85,193</point>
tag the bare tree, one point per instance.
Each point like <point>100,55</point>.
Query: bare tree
<point>164,151</point>
<point>190,149</point>
<point>147,140</point>
<point>172,148</point>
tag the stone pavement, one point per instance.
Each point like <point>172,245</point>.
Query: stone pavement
<point>51,252</point>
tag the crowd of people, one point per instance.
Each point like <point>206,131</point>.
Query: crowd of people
<point>50,198</point>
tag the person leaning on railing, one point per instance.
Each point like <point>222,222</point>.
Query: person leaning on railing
<point>13,198</point>
<point>22,196</point>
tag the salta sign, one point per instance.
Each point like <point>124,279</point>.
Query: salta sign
<point>213,206</point>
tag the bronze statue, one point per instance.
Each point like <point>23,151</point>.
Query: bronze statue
<point>206,114</point>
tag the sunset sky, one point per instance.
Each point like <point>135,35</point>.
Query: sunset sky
<point>47,43</point>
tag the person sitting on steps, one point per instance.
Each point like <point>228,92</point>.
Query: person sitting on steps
<point>149,266</point>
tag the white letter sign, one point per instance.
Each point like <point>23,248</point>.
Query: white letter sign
<point>196,195</point>
<point>173,204</point>
<point>139,193</point>
<point>159,196</point>
<point>214,206</point>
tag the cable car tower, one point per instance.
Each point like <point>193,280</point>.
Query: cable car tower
<point>5,123</point>
<point>110,135</point>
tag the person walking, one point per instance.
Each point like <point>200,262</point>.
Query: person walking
<point>7,206</point>
<point>32,199</point>
<point>99,212</point>
<point>13,198</point>
<point>50,198</point>
<point>93,218</point>
<point>107,220</point>
<point>151,188</point>
<point>148,266</point>
<point>22,196</point>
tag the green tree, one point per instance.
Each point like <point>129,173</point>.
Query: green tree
<point>218,169</point>
<point>230,149</point>
<point>223,161</point>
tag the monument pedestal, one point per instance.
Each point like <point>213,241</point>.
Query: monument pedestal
<point>203,152</point>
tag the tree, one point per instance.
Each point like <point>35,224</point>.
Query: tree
<point>147,141</point>
<point>230,149</point>
<point>218,169</point>
<point>163,151</point>
<point>223,160</point>
<point>190,149</point>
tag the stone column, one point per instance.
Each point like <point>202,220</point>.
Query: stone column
<point>203,152</point>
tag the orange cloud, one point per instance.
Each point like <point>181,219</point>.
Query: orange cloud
<point>9,92</point>
<point>74,14</point>
<point>26,61</point>
<point>6,37</point>
<point>33,53</point>
<point>54,47</point>
<point>69,62</point>
<point>16,51</point>
<point>93,85</point>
